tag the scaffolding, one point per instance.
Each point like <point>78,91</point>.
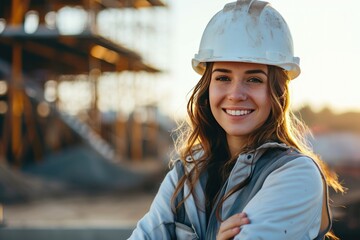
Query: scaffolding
<point>40,51</point>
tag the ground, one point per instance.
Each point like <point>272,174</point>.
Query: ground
<point>80,211</point>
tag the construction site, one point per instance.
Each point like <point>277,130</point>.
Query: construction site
<point>81,132</point>
<point>84,143</point>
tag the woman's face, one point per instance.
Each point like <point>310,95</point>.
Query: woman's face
<point>239,98</point>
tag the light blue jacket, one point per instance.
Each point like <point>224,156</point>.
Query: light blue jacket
<point>290,205</point>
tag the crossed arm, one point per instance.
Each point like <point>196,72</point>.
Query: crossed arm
<point>287,207</point>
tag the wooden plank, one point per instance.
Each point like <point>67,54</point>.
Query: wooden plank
<point>18,10</point>
<point>121,136</point>
<point>2,222</point>
<point>16,103</point>
<point>136,138</point>
<point>53,54</point>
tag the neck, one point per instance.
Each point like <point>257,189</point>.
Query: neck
<point>236,145</point>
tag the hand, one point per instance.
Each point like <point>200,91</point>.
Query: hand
<point>231,226</point>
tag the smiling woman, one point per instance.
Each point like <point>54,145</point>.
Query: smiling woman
<point>239,100</point>
<point>244,170</point>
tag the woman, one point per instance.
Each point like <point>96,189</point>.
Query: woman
<point>244,170</point>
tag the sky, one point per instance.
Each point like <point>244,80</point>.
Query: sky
<point>326,37</point>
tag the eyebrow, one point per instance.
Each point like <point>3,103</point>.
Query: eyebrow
<point>253,71</point>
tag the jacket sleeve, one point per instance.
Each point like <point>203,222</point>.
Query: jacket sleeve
<point>158,222</point>
<point>289,204</point>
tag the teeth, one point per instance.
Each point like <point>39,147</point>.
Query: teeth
<point>238,112</point>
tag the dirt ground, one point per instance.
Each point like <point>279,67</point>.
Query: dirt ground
<point>80,211</point>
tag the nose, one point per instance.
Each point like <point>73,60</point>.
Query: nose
<point>237,92</point>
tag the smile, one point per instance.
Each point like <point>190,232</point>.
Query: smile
<point>238,112</point>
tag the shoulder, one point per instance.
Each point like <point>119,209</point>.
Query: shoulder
<point>300,164</point>
<point>285,158</point>
<point>294,192</point>
<point>292,173</point>
<point>301,170</point>
<point>278,159</point>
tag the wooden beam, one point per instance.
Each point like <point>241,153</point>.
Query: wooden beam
<point>53,54</point>
<point>136,138</point>
<point>16,103</point>
<point>121,132</point>
<point>2,222</point>
<point>94,74</point>
<point>18,10</point>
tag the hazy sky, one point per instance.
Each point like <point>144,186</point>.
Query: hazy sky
<point>326,37</point>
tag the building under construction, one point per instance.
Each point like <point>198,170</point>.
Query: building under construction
<point>54,60</point>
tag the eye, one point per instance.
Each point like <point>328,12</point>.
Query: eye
<point>222,78</point>
<point>255,80</point>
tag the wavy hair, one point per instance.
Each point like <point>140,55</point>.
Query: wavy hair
<point>202,142</point>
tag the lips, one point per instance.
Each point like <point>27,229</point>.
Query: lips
<point>238,112</point>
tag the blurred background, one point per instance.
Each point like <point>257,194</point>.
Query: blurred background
<point>91,90</point>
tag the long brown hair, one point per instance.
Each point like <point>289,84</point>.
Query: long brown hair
<point>203,144</point>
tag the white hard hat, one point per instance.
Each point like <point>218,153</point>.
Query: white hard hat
<point>248,31</point>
